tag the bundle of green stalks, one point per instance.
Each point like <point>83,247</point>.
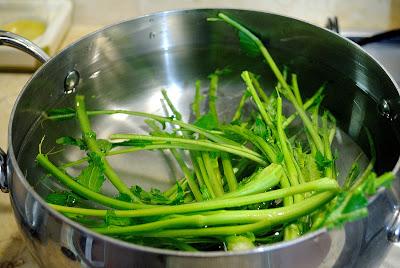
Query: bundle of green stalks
<point>247,182</point>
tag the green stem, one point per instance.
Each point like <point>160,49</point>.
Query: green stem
<point>310,102</point>
<point>238,112</point>
<point>262,181</point>
<point>281,79</point>
<point>90,138</point>
<point>287,153</point>
<point>266,117</point>
<point>228,172</point>
<point>197,100</point>
<point>271,217</point>
<point>241,151</point>
<point>258,87</point>
<point>203,172</point>
<point>188,175</point>
<point>215,183</point>
<point>319,185</point>
<point>329,170</point>
<point>83,191</point>
<point>171,105</point>
<point>163,145</point>
<point>183,125</point>
<point>296,89</point>
<point>212,95</point>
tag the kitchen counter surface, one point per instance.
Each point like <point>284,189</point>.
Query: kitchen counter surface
<point>13,252</point>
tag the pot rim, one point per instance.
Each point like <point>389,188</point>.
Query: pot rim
<point>108,239</point>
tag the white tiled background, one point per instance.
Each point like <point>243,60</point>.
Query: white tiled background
<point>89,15</point>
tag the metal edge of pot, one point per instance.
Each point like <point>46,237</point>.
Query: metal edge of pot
<point>15,168</point>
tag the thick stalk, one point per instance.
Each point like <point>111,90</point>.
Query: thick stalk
<point>228,172</point>
<point>90,138</point>
<point>287,153</point>
<point>320,185</point>
<point>244,152</point>
<point>215,183</point>
<point>271,217</point>
<point>203,172</point>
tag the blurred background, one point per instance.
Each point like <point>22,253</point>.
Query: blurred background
<point>53,24</point>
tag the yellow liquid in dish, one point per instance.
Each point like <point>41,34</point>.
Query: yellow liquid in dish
<point>27,28</point>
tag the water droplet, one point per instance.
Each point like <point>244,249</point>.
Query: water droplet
<point>384,108</point>
<point>152,35</point>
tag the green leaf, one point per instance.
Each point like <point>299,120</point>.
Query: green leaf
<point>67,140</point>
<point>260,128</point>
<point>207,121</point>
<point>123,197</point>
<point>351,205</point>
<point>92,176</point>
<point>322,162</point>
<point>155,196</point>
<point>63,199</point>
<point>248,45</point>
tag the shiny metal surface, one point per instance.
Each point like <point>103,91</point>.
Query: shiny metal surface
<point>394,228</point>
<point>125,66</point>
<point>18,42</point>
<point>3,172</point>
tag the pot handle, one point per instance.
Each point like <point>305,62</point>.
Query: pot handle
<point>3,172</point>
<point>20,43</point>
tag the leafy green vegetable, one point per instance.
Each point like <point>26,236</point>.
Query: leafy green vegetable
<point>92,176</point>
<point>267,175</point>
<point>248,45</point>
<point>351,204</point>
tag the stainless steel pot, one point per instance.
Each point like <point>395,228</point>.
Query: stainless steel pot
<point>125,65</point>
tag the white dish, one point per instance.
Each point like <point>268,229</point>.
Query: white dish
<point>56,14</point>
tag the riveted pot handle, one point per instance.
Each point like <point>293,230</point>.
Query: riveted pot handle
<point>18,42</point>
<point>3,172</point>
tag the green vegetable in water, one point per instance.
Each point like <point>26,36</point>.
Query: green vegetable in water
<point>250,181</point>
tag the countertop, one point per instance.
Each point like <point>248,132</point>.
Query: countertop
<point>13,252</point>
